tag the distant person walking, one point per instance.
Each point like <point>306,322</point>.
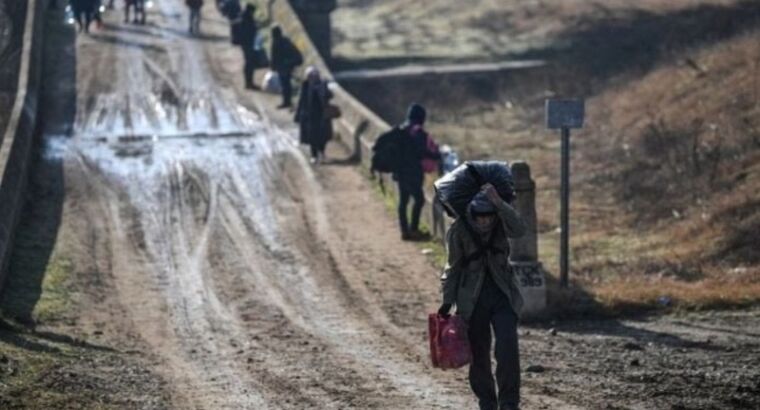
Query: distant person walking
<point>480,282</point>
<point>229,8</point>
<point>413,149</point>
<point>138,8</point>
<point>244,33</point>
<point>83,13</point>
<point>285,58</point>
<point>313,114</point>
<point>195,15</point>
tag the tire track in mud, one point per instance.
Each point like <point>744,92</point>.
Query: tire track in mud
<point>224,276</point>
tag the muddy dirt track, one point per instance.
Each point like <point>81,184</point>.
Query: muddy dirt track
<point>205,245</point>
<point>212,234</point>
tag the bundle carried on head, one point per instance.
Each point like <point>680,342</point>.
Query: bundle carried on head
<point>456,189</point>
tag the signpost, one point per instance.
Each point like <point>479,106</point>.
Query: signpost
<point>565,114</point>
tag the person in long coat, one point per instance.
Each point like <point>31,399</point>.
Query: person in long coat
<point>479,280</point>
<point>315,126</point>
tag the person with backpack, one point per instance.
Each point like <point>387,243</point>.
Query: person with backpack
<point>285,58</point>
<point>406,151</point>
<point>479,280</point>
<point>244,32</point>
<point>312,114</point>
<point>195,15</point>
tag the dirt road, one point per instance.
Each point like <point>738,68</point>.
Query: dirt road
<point>201,243</point>
<point>211,239</point>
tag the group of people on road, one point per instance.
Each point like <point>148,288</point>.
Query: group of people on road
<point>313,113</point>
<point>283,57</point>
<point>477,279</point>
<point>85,12</point>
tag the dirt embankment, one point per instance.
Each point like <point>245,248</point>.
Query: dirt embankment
<point>665,173</point>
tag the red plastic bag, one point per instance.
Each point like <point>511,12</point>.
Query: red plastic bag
<point>449,345</point>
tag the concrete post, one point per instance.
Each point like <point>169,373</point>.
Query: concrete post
<point>524,255</point>
<point>315,16</point>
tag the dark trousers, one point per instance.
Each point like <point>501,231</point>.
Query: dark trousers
<point>494,310</point>
<point>250,64</point>
<point>407,191</point>
<point>317,149</point>
<point>83,18</point>
<point>195,20</point>
<point>287,87</point>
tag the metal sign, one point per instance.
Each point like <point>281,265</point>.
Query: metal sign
<point>568,113</point>
<point>564,115</point>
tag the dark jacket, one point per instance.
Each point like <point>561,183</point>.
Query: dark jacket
<point>82,6</point>
<point>247,31</point>
<point>412,150</point>
<point>285,55</point>
<point>230,8</point>
<point>310,114</point>
<point>464,274</point>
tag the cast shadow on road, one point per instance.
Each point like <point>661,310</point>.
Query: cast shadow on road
<point>36,234</point>
<point>348,161</point>
<point>120,41</point>
<point>153,30</point>
<point>213,38</point>
<point>42,341</point>
<point>576,311</point>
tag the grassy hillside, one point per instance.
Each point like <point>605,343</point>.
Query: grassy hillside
<point>666,174</point>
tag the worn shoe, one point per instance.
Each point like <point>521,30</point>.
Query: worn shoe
<point>284,106</point>
<point>420,236</point>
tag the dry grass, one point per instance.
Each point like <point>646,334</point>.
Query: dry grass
<point>666,174</point>
<point>479,29</point>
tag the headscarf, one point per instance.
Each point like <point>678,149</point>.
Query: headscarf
<point>480,204</point>
<point>416,114</point>
<point>315,84</point>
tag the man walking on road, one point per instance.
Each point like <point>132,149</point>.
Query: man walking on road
<point>285,58</point>
<point>478,279</point>
<point>195,15</point>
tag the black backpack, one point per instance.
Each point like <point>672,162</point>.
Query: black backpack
<point>236,32</point>
<point>386,151</point>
